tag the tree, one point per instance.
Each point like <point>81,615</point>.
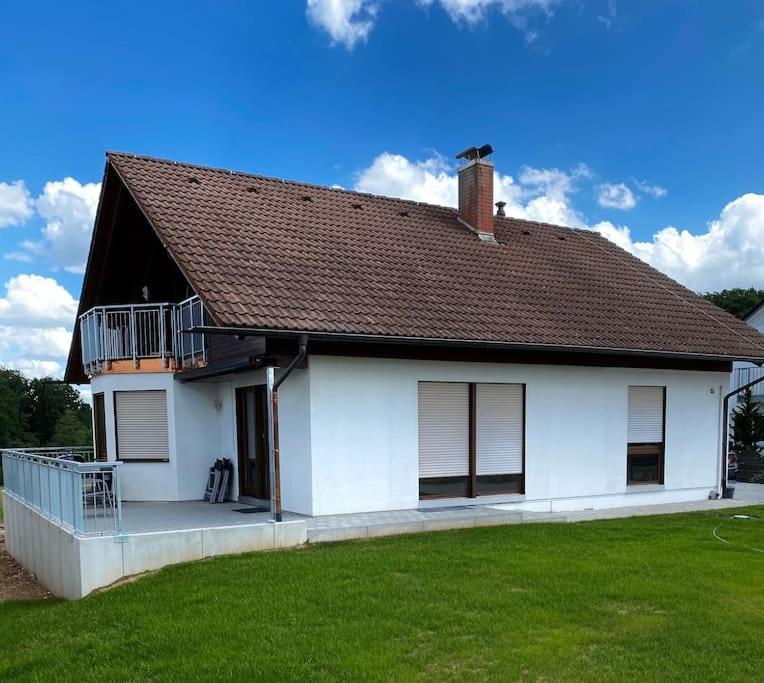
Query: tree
<point>70,431</point>
<point>46,401</point>
<point>38,412</point>
<point>14,425</point>
<point>747,426</point>
<point>737,301</point>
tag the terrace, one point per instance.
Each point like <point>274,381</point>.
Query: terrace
<point>67,523</point>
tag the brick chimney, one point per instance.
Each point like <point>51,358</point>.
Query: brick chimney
<point>476,190</point>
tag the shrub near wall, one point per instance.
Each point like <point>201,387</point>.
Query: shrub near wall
<point>750,468</point>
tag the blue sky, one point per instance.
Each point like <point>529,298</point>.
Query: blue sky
<point>639,119</point>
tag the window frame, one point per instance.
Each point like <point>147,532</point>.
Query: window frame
<point>641,449</point>
<point>116,426</point>
<point>472,488</point>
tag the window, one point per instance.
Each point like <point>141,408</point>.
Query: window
<point>141,421</point>
<point>471,439</point>
<point>646,435</point>
<point>499,437</point>
<point>444,439</point>
<point>99,427</point>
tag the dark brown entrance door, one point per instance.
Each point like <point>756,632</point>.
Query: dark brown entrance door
<point>99,427</point>
<point>252,436</point>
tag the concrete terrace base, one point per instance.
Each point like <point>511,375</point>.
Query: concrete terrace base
<point>161,534</point>
<point>71,567</point>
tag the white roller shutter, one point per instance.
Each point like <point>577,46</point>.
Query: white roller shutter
<point>645,415</point>
<point>499,428</point>
<point>141,418</point>
<point>443,429</point>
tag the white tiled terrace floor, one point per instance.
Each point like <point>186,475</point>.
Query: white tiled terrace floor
<point>151,517</point>
<point>139,518</point>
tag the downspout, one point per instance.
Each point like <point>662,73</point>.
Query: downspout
<point>273,424</point>
<point>725,427</point>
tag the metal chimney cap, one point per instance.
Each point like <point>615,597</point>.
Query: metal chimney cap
<point>475,153</point>
<point>500,208</point>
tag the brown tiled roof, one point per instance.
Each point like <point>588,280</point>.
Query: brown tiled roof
<point>275,254</point>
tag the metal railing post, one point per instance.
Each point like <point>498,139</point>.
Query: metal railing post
<point>77,500</point>
<point>132,335</point>
<point>161,333</point>
<point>117,494</point>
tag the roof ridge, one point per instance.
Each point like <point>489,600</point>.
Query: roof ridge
<point>302,183</point>
<point>260,176</point>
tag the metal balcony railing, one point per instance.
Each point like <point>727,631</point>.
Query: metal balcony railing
<point>81,497</point>
<point>142,331</point>
<point>190,348</point>
<point>742,376</point>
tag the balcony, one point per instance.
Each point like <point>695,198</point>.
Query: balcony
<point>742,376</point>
<point>151,337</point>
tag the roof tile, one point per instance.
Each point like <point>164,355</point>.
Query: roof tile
<point>262,256</point>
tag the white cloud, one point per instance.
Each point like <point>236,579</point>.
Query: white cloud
<point>474,11</point>
<point>40,343</point>
<point>69,207</point>
<point>15,203</point>
<point>351,21</point>
<point>655,191</point>
<point>541,194</point>
<point>36,315</point>
<point>36,368</point>
<point>346,21</point>
<point>609,17</point>
<point>394,175</point>
<point>616,196</point>
<point>554,182</point>
<point>20,256</point>
<point>36,301</point>
<point>729,254</point>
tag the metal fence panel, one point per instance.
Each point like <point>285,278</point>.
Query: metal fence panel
<point>83,497</point>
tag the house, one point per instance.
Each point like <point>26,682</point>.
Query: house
<point>744,372</point>
<point>451,354</point>
<point>352,353</point>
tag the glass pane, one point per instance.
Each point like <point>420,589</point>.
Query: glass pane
<point>250,473</point>
<point>491,484</point>
<point>443,487</point>
<point>644,468</point>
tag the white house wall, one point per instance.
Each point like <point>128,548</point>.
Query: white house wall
<point>141,480</point>
<point>349,433</point>
<point>294,433</point>
<point>197,436</point>
<point>201,420</point>
<point>757,320</point>
<point>364,431</point>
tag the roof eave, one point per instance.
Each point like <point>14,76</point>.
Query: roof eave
<point>471,343</point>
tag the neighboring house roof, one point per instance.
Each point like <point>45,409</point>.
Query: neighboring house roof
<point>753,311</point>
<point>281,255</point>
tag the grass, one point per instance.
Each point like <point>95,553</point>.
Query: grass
<point>651,598</point>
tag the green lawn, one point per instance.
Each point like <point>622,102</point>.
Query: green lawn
<point>655,598</point>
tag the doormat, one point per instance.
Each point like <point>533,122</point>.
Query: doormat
<point>254,508</point>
